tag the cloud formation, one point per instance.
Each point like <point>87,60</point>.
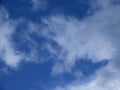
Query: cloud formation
<point>7,51</point>
<point>96,38</point>
<point>89,38</point>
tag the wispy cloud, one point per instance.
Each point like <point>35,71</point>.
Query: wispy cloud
<point>38,5</point>
<point>7,28</point>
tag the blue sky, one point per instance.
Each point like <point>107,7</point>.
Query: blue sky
<point>59,45</point>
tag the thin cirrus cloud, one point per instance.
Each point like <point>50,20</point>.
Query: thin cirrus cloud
<point>39,5</point>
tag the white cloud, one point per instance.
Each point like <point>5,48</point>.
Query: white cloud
<point>105,79</point>
<point>87,38</point>
<point>95,37</point>
<point>7,28</point>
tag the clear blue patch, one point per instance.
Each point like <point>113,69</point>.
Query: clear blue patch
<point>87,67</point>
<point>27,77</point>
